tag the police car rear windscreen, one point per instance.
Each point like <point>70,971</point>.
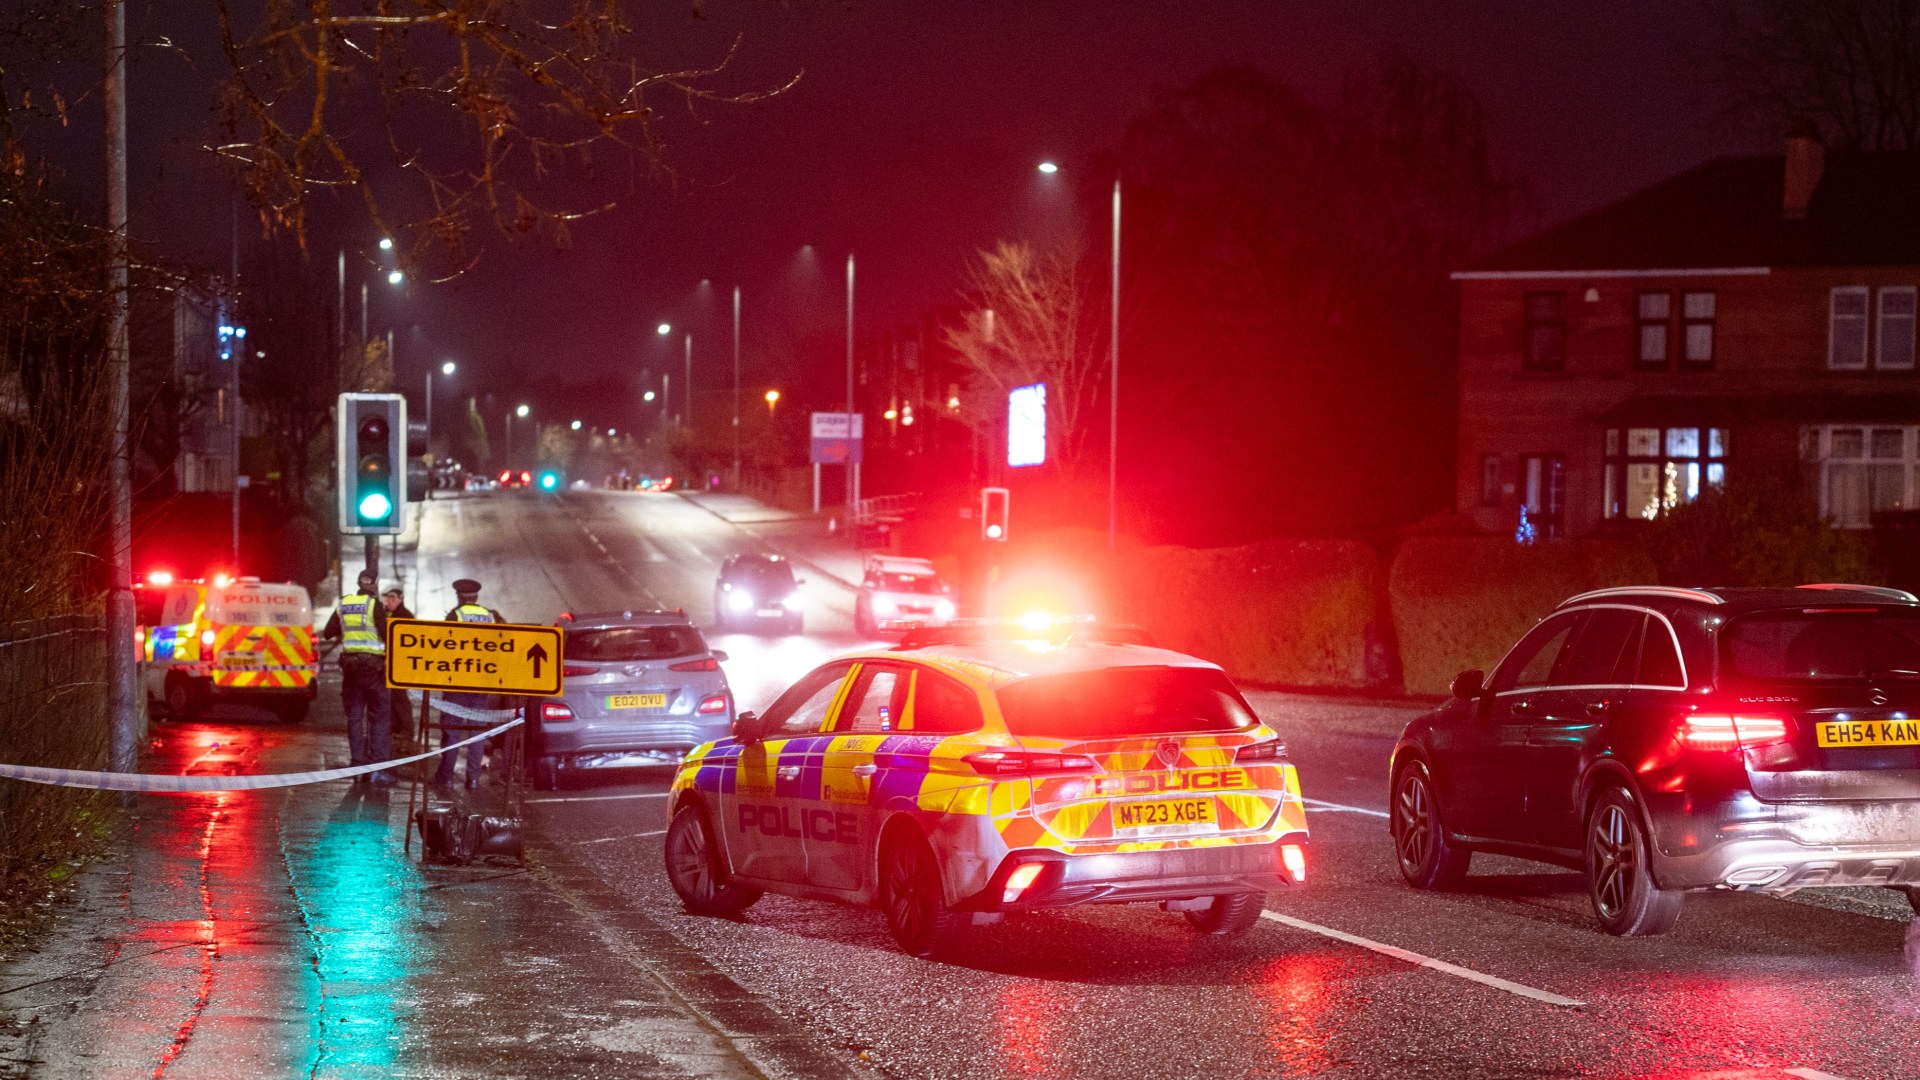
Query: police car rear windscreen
<point>1119,702</point>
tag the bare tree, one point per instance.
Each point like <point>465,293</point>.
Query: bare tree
<point>1033,317</point>
<point>1850,67</point>
<point>479,102</point>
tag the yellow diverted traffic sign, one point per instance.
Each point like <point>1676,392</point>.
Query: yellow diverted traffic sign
<point>496,658</point>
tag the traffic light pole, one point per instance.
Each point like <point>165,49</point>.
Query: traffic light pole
<point>123,741</point>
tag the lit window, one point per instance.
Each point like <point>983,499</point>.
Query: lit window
<point>1662,468</point>
<point>1894,351</point>
<point>1847,328</point>
<point>1863,470</point>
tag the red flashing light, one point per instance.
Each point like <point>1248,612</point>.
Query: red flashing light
<point>556,711</point>
<point>1294,858</point>
<point>704,664</point>
<point>714,705</point>
<point>160,577</point>
<point>1020,881</point>
<point>1710,731</point>
<point>1024,763</point>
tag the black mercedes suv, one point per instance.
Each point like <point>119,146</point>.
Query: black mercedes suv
<point>1666,740</point>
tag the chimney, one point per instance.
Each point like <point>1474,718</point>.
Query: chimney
<point>1806,160</point>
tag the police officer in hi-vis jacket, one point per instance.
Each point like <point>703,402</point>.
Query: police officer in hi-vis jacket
<point>360,625</point>
<point>468,610</point>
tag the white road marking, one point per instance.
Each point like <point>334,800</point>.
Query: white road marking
<point>1319,805</point>
<point>629,836</point>
<point>603,798</point>
<point>1812,1074</point>
<point>1424,961</point>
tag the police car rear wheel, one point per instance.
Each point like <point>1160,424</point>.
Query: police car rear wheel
<point>1228,915</point>
<point>692,868</point>
<point>913,901</point>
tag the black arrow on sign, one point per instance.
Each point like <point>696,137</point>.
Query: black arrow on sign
<point>538,654</point>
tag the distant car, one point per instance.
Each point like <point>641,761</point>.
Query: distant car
<point>896,589</point>
<point>1666,740</point>
<point>642,687</point>
<point>966,774</point>
<point>754,590</point>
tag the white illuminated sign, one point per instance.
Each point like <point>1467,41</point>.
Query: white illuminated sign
<point>1027,425</point>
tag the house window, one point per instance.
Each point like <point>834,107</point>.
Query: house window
<point>1847,328</point>
<point>1656,313</point>
<point>1894,334</point>
<point>1649,470</point>
<point>1696,329</point>
<point>1545,345</point>
<point>1490,480</point>
<point>1543,491</point>
<point>1862,470</point>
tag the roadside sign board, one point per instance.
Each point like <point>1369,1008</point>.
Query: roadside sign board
<point>830,444</point>
<point>494,658</point>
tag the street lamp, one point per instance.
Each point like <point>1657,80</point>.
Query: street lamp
<point>395,277</point>
<point>506,449</point>
<point>575,425</point>
<point>648,396</point>
<point>1113,364</point>
<point>663,329</point>
<point>1049,168</point>
<point>447,370</point>
<point>773,398</point>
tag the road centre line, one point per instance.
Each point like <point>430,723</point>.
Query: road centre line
<point>603,798</point>
<point>1320,805</point>
<point>1812,1074</point>
<point>1425,961</point>
<point>610,839</point>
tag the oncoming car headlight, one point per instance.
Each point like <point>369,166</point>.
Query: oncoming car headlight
<point>738,600</point>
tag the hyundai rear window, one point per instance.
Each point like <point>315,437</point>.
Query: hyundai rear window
<point>1829,644</point>
<point>1120,702</point>
<point>634,643</point>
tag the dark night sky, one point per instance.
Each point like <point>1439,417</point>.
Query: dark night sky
<point>912,138</point>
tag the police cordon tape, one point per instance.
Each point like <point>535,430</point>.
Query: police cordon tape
<point>157,784</point>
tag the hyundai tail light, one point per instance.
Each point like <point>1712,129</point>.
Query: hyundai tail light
<point>705,663</point>
<point>551,710</point>
<point>570,670</point>
<point>714,705</point>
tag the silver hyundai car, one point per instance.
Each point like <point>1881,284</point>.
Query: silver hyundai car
<point>642,688</point>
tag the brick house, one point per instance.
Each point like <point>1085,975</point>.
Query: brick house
<point>1754,313</point>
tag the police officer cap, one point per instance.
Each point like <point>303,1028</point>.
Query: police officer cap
<point>466,586</point>
<point>368,578</point>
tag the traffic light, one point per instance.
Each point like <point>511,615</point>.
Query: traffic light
<point>418,469</point>
<point>994,503</point>
<point>549,480</point>
<point>371,443</point>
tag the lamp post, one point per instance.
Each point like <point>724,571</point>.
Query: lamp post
<point>506,450</point>
<point>686,394</point>
<point>853,464</point>
<point>446,369</point>
<point>735,482</point>
<point>665,379</point>
<point>1113,394</point>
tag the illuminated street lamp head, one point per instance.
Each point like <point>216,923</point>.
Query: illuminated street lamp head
<point>575,425</point>
<point>386,243</point>
<point>773,396</point>
<point>1049,168</point>
<point>648,396</point>
<point>446,368</point>
<point>663,329</point>
<point>522,412</point>
<point>395,277</point>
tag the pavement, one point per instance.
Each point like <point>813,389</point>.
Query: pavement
<point>285,932</point>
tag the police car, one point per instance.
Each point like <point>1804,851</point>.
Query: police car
<point>977,769</point>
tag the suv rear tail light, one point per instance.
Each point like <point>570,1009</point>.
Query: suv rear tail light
<point>705,664</point>
<point>571,670</point>
<point>1264,750</point>
<point>1719,731</point>
<point>1023,763</point>
<point>1294,858</point>
<point>1020,881</point>
<point>715,704</point>
<point>550,710</point>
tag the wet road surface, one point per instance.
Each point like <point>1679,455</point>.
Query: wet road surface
<point>1356,976</point>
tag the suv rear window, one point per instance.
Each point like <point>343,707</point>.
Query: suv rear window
<point>1119,702</point>
<point>1824,644</point>
<point>634,643</point>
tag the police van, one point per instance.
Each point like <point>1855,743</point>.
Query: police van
<point>227,640</point>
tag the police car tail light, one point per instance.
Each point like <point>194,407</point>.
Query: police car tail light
<point>1024,763</point>
<point>551,710</point>
<point>1720,731</point>
<point>1020,881</point>
<point>714,705</point>
<point>1264,750</point>
<point>705,663</point>
<point>1294,858</point>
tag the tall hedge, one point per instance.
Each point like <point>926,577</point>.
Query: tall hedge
<point>1460,602</point>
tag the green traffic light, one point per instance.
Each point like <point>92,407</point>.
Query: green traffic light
<point>549,481</point>
<point>375,507</point>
